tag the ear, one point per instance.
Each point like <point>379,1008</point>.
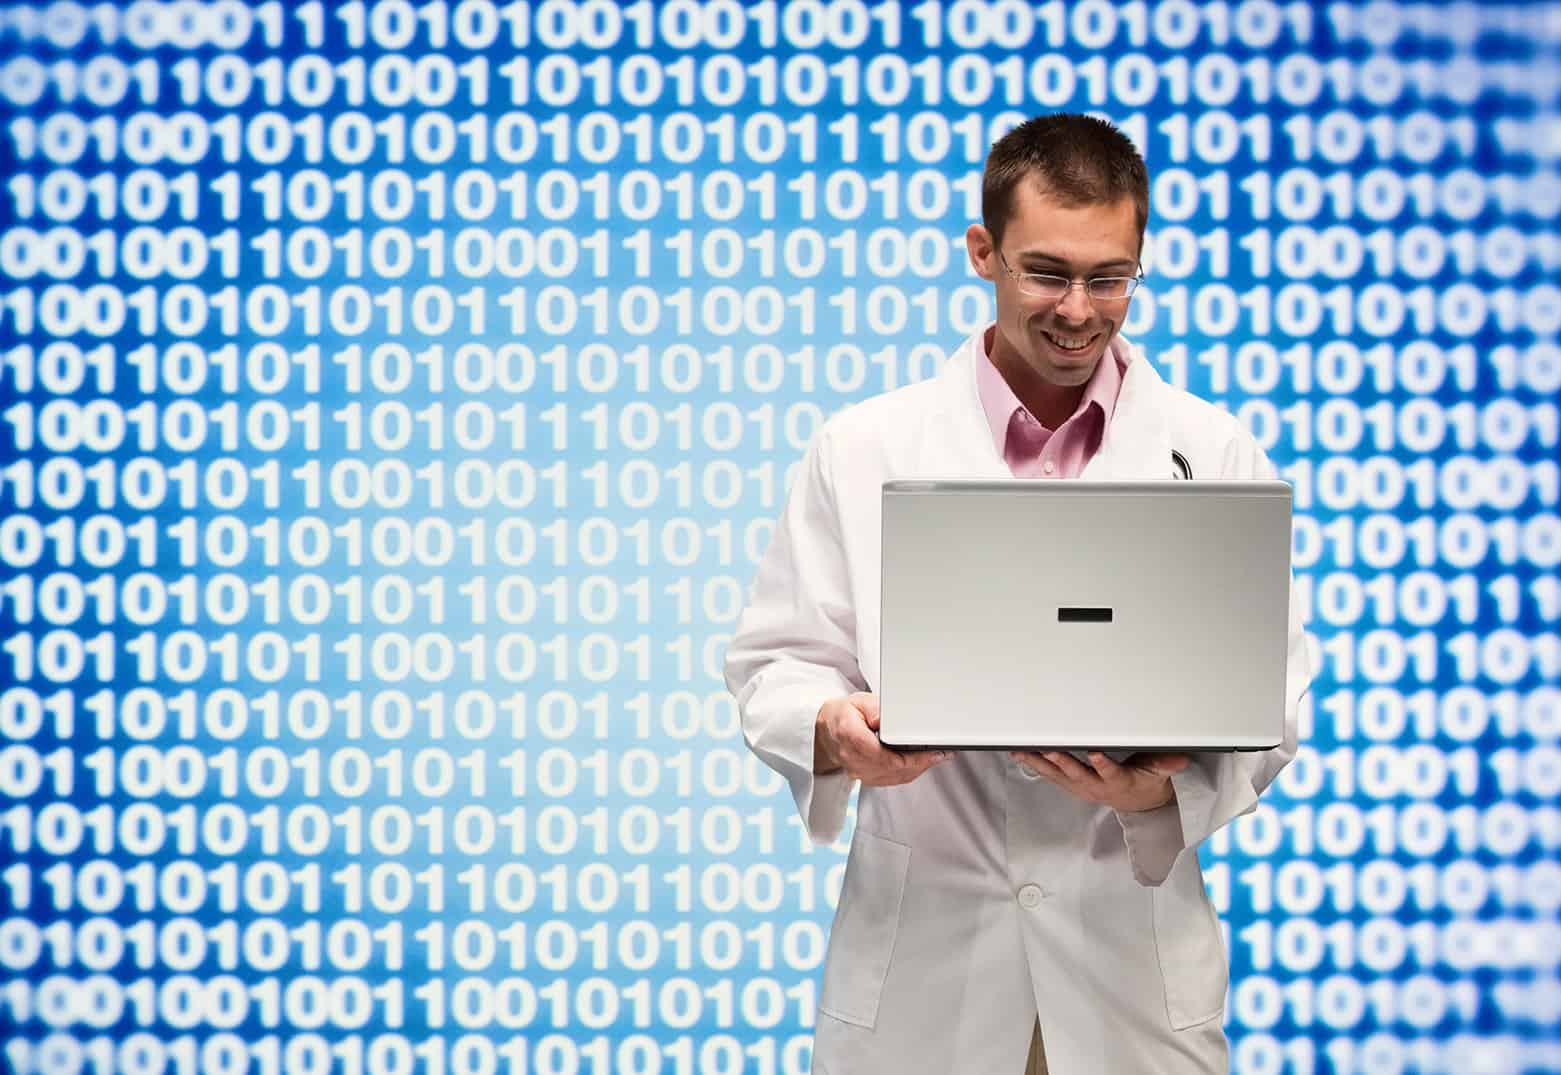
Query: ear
<point>982,250</point>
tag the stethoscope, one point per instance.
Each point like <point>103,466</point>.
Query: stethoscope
<point>1180,465</point>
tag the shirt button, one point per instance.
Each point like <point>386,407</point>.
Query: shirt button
<point>1048,466</point>
<point>1030,897</point>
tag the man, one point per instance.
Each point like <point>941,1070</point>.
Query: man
<point>1001,906</point>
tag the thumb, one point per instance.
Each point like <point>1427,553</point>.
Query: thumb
<point>867,705</point>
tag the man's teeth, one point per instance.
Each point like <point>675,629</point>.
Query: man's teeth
<point>1069,343</point>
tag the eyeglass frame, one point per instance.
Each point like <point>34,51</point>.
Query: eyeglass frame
<point>1072,281</point>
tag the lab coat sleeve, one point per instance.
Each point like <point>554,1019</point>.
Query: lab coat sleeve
<point>1219,787</point>
<point>795,644</point>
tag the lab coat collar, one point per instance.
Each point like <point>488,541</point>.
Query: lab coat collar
<point>1136,445</point>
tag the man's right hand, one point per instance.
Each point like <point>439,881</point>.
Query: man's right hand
<point>845,736</point>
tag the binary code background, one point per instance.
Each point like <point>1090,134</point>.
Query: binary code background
<point>397,396</point>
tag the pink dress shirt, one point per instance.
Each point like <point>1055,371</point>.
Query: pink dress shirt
<point>1029,448</point>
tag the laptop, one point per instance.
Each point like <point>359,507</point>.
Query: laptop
<point>1082,615</point>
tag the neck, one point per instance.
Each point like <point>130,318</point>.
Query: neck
<point>1052,404</point>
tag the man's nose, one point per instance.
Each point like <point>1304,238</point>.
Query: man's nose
<point>1074,304</point>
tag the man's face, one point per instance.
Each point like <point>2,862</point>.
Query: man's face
<point>1057,340</point>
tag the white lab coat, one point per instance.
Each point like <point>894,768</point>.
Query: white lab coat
<point>978,896</point>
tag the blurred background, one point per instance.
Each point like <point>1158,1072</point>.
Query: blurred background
<point>395,399</point>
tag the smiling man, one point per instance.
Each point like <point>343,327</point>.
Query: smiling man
<point>1063,251</point>
<point>1003,913</point>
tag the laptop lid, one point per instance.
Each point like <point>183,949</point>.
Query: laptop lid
<point>1084,615</point>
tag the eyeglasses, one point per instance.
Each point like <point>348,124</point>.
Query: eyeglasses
<point>1043,285</point>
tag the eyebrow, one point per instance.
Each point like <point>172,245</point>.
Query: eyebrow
<point>1049,261</point>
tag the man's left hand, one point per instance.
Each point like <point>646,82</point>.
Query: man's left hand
<point>1141,782</point>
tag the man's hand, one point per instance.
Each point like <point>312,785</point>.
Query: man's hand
<point>1142,782</point>
<point>845,736</point>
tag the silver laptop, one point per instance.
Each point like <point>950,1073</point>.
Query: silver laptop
<point>1084,615</point>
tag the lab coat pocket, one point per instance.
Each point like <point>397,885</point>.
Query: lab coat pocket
<point>1187,940</point>
<point>861,941</point>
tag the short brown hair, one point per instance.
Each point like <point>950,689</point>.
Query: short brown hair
<point>1079,159</point>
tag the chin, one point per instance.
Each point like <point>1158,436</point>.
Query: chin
<point>1073,376</point>
<point>1067,375</point>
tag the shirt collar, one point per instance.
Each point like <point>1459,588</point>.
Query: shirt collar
<point>1000,403</point>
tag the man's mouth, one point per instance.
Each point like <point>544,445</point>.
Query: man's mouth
<point>1072,344</point>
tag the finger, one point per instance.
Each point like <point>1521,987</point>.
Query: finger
<point>1073,769</point>
<point>1109,771</point>
<point>1037,764</point>
<point>1118,778</point>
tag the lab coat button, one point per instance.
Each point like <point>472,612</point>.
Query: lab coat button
<point>1030,897</point>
